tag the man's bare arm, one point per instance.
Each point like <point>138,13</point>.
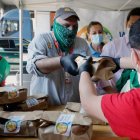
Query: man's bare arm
<point>126,62</point>
<point>48,65</point>
<point>89,99</point>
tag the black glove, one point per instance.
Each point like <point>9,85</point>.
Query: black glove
<point>69,64</point>
<point>116,61</point>
<point>87,66</point>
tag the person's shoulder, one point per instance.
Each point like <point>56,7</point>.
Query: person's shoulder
<point>134,93</point>
<point>115,41</point>
<point>42,36</point>
<point>119,39</point>
<point>80,40</point>
<point>45,34</point>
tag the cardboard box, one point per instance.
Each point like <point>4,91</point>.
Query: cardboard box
<point>30,104</point>
<point>23,124</point>
<point>42,123</point>
<point>47,134</point>
<point>81,124</point>
<point>12,94</point>
<point>33,103</point>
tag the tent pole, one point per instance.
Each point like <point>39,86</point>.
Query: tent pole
<point>124,5</point>
<point>20,43</point>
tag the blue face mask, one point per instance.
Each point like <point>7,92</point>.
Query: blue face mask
<point>97,39</point>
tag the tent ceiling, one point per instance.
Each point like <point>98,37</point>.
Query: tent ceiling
<point>52,5</point>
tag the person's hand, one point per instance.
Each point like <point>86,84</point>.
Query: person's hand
<point>87,66</point>
<point>117,62</point>
<point>69,64</point>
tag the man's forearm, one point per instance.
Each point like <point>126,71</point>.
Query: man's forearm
<point>88,85</point>
<point>126,63</point>
<point>89,99</point>
<point>87,89</point>
<point>48,65</point>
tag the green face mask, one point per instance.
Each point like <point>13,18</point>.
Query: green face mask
<point>64,36</point>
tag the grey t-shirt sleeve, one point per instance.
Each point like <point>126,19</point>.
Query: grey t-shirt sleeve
<point>88,53</point>
<point>81,47</point>
<point>37,49</point>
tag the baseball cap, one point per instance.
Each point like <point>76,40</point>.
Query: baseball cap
<point>65,12</point>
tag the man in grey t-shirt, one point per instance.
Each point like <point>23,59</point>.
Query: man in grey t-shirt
<point>44,55</point>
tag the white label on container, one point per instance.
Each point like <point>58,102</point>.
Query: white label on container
<point>63,124</point>
<point>32,102</point>
<point>13,124</point>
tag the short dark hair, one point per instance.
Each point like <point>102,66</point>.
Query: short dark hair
<point>133,12</point>
<point>134,35</point>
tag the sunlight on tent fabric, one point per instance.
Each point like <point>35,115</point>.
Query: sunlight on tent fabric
<point>52,5</point>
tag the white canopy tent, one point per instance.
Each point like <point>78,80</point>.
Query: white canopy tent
<point>52,5</point>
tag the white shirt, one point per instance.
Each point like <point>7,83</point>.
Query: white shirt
<point>117,48</point>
